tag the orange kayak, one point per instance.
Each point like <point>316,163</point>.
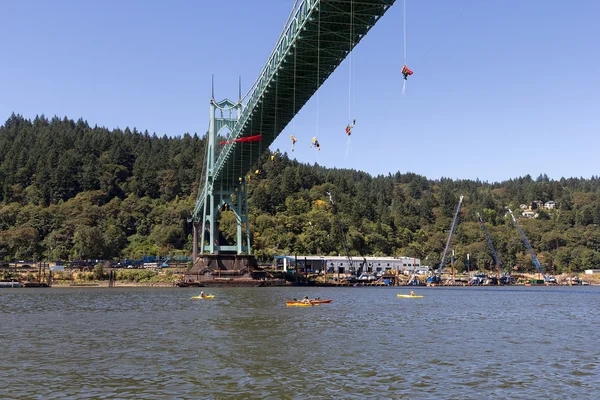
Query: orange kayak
<point>319,301</point>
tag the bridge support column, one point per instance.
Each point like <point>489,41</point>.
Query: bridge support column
<point>195,242</point>
<point>245,220</point>
<point>218,192</point>
<point>239,218</point>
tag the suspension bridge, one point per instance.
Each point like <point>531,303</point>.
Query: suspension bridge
<point>317,37</point>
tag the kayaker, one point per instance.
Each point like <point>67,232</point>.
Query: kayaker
<point>412,293</point>
<point>305,299</point>
<point>202,295</point>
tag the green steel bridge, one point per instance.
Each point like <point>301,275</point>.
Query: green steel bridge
<point>317,37</point>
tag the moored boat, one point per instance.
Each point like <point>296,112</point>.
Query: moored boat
<point>189,284</point>
<point>10,284</point>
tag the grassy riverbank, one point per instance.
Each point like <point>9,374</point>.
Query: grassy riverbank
<point>105,284</point>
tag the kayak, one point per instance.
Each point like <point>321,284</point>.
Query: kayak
<point>298,304</point>
<point>319,301</point>
<point>208,296</point>
<point>312,301</point>
<point>408,296</point>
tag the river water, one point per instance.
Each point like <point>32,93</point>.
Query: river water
<point>455,343</point>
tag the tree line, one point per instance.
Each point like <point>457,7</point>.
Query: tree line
<point>72,191</point>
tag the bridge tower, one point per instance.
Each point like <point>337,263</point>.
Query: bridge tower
<point>215,197</point>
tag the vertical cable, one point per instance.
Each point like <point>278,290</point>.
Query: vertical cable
<point>404,31</point>
<point>318,64</point>
<point>350,69</point>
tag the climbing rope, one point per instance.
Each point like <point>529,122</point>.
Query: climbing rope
<point>404,67</point>
<point>318,67</point>
<point>350,86</point>
<point>404,31</point>
<point>350,51</point>
<point>294,100</point>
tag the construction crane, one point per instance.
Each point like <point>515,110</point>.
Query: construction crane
<point>494,253</point>
<point>490,243</point>
<point>547,279</point>
<point>342,234</point>
<point>436,278</point>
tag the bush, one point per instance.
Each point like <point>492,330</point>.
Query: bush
<point>98,272</point>
<point>138,275</point>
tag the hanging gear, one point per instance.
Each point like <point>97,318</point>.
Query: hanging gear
<point>315,143</point>
<point>293,141</point>
<point>406,72</point>
<point>349,128</point>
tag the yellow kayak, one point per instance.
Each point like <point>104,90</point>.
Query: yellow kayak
<point>208,296</point>
<point>299,304</point>
<point>408,296</point>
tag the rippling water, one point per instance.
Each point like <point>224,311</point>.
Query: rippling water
<point>467,343</point>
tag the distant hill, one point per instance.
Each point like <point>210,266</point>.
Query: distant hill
<point>72,191</point>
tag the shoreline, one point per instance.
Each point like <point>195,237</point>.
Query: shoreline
<point>115,285</point>
<point>130,285</point>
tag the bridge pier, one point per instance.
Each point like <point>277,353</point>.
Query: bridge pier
<point>215,196</point>
<point>194,242</point>
<point>225,270</point>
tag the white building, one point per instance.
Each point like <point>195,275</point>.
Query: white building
<point>549,205</point>
<point>592,271</point>
<point>341,264</point>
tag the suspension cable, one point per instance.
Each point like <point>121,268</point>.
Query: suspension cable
<point>350,51</point>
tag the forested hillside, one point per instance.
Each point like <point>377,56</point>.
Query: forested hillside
<point>71,191</point>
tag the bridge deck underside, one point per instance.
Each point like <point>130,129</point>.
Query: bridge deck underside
<point>330,32</point>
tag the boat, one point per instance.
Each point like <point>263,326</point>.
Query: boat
<point>189,284</point>
<point>10,284</point>
<point>320,301</point>
<point>208,296</point>
<point>312,301</point>
<point>299,304</point>
<point>409,296</point>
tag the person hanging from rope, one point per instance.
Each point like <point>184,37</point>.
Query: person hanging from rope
<point>315,143</point>
<point>406,72</point>
<point>349,128</point>
<point>293,141</point>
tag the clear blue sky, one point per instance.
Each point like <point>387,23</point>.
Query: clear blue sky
<point>501,88</point>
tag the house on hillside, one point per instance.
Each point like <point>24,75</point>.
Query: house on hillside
<point>536,204</point>
<point>549,205</point>
<point>529,214</point>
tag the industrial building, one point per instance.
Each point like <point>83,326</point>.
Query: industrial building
<point>347,266</point>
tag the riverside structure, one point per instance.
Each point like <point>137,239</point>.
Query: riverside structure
<point>353,266</point>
